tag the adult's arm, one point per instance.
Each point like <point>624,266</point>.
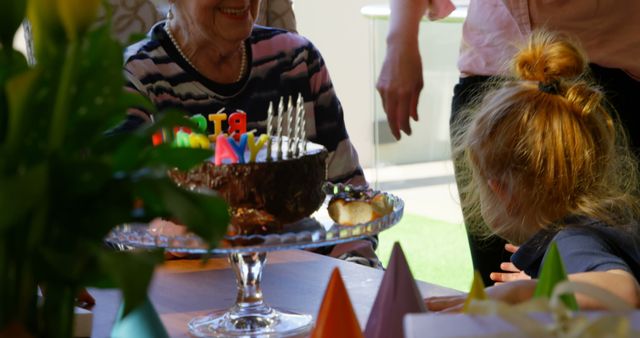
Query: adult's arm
<point>400,80</point>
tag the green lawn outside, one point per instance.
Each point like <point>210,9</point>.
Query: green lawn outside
<point>437,251</point>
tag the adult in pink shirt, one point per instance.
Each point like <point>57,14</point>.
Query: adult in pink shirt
<point>609,30</point>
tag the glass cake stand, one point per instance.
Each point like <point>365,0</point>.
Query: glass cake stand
<point>250,316</point>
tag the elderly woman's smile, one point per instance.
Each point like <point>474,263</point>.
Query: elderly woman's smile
<point>235,13</point>
<point>211,35</point>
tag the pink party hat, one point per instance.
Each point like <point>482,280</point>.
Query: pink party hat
<point>398,295</point>
<point>336,318</point>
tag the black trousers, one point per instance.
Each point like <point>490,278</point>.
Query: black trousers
<point>623,95</point>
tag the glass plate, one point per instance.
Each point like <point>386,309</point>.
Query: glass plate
<point>314,231</point>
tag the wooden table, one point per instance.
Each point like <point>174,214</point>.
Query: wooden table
<point>292,280</point>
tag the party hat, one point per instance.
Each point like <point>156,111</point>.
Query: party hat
<point>552,273</point>
<point>141,322</point>
<point>336,318</point>
<point>477,291</point>
<point>398,295</point>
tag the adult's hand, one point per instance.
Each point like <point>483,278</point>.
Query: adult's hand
<point>399,85</point>
<point>509,271</point>
<point>510,293</point>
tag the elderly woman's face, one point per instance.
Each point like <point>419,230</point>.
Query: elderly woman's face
<point>229,20</point>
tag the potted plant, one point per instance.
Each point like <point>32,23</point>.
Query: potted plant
<point>64,184</point>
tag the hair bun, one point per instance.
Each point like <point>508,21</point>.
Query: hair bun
<point>548,57</point>
<point>584,99</point>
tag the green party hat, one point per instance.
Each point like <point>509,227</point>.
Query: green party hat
<point>552,273</point>
<point>141,322</point>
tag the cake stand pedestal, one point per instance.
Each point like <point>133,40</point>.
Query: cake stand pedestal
<point>250,316</point>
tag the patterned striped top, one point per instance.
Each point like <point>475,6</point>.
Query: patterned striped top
<point>282,64</point>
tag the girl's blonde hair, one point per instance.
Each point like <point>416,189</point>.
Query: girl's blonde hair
<point>547,137</point>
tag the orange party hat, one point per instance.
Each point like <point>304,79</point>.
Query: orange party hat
<point>336,318</point>
<point>397,296</point>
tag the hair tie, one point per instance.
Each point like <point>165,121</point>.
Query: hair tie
<point>551,87</point>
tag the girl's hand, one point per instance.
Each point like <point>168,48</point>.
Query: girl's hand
<point>510,272</point>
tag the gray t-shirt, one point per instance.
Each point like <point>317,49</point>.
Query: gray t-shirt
<point>586,245</point>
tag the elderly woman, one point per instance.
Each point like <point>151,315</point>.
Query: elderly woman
<point>210,55</point>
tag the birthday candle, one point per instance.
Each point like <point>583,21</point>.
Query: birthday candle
<point>237,124</point>
<point>269,130</point>
<point>239,146</point>
<point>303,125</point>
<point>224,151</point>
<point>279,127</point>
<point>296,130</point>
<point>254,147</point>
<point>201,121</point>
<point>199,141</point>
<point>289,126</point>
<point>299,119</point>
<point>182,140</point>
<point>217,119</point>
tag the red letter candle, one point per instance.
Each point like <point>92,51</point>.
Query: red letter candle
<point>224,151</point>
<point>237,124</point>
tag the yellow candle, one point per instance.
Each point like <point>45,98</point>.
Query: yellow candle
<point>217,119</point>
<point>199,141</point>
<point>254,148</point>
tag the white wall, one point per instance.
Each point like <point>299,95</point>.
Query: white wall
<point>343,36</point>
<point>354,46</point>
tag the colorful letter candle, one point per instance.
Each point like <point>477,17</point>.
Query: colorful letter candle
<point>199,141</point>
<point>157,138</point>
<point>237,124</point>
<point>217,119</point>
<point>224,151</point>
<point>238,146</point>
<point>182,139</point>
<point>336,318</point>
<point>201,122</point>
<point>254,148</point>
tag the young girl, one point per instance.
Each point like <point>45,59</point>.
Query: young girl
<point>548,162</point>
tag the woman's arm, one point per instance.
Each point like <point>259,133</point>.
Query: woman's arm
<point>400,80</point>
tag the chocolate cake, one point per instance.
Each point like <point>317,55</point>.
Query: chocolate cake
<point>265,194</point>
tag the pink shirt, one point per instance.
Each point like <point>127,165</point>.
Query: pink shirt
<point>608,29</point>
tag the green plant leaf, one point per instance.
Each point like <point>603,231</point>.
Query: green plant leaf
<point>11,64</point>
<point>180,158</point>
<point>13,12</point>
<point>204,213</point>
<point>131,272</point>
<point>19,89</point>
<point>136,150</point>
<point>21,193</point>
<point>91,200</point>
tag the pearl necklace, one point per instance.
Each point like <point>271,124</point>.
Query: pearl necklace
<point>243,60</point>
